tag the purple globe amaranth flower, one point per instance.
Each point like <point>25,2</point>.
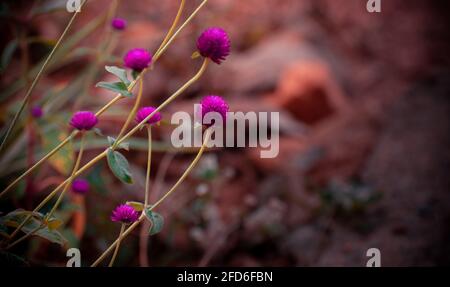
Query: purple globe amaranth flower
<point>216,104</point>
<point>145,112</point>
<point>125,214</point>
<point>119,24</point>
<point>137,59</point>
<point>37,112</point>
<point>80,186</point>
<point>214,43</point>
<point>83,120</point>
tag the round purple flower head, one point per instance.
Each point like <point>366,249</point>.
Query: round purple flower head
<point>137,59</point>
<point>37,112</point>
<point>119,24</point>
<point>214,43</point>
<point>83,120</point>
<point>145,112</point>
<point>216,104</point>
<point>80,186</point>
<point>125,214</point>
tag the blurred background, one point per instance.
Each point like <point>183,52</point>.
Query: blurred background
<point>364,132</point>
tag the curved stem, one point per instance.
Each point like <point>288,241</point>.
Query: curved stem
<point>163,49</point>
<point>179,181</point>
<point>111,263</point>
<point>172,28</point>
<point>75,168</point>
<point>36,79</point>
<point>130,115</point>
<point>188,170</point>
<point>149,162</point>
<point>167,101</point>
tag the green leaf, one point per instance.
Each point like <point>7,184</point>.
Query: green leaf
<point>16,217</point>
<point>138,206</point>
<point>54,223</point>
<point>8,54</point>
<point>124,145</point>
<point>51,235</point>
<point>98,132</point>
<point>64,158</point>
<point>157,221</point>
<point>119,166</point>
<point>117,87</point>
<point>135,74</point>
<point>120,73</point>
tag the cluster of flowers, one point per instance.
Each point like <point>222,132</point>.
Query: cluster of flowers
<point>213,43</point>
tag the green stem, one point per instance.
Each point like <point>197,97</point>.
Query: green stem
<point>163,49</point>
<point>111,263</point>
<point>136,223</point>
<point>71,178</point>
<point>167,101</point>
<point>23,237</point>
<point>172,28</point>
<point>36,79</point>
<point>130,115</point>
<point>149,161</point>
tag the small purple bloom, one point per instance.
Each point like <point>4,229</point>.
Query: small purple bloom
<point>80,186</point>
<point>125,214</point>
<point>214,43</point>
<point>119,23</point>
<point>145,112</point>
<point>83,120</point>
<point>37,112</point>
<point>216,104</point>
<point>137,59</point>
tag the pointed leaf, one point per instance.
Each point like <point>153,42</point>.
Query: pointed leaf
<point>195,55</point>
<point>117,87</point>
<point>120,73</point>
<point>54,223</point>
<point>157,221</point>
<point>64,158</point>
<point>123,145</point>
<point>8,54</point>
<point>138,206</point>
<point>135,74</point>
<point>15,218</point>
<point>119,166</point>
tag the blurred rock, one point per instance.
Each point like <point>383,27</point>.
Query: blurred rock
<point>310,92</point>
<point>259,69</point>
